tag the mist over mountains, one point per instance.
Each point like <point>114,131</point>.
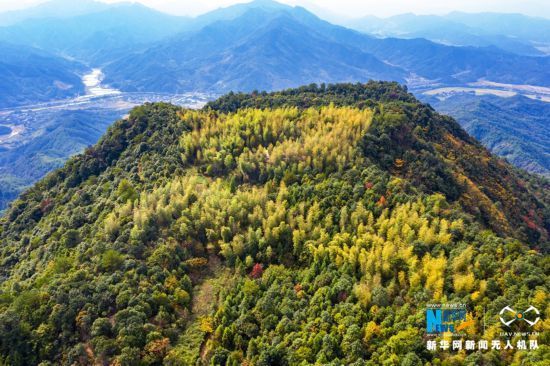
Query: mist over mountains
<point>510,32</point>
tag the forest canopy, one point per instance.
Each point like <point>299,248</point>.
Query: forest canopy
<point>309,226</point>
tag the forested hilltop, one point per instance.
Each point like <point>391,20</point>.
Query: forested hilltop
<point>308,226</point>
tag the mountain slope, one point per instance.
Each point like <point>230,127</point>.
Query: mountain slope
<point>459,178</point>
<point>320,221</point>
<point>30,75</point>
<point>515,128</point>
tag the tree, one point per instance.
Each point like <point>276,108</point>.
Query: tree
<point>71,238</point>
<point>111,260</point>
<point>257,271</point>
<point>101,327</point>
<point>126,191</point>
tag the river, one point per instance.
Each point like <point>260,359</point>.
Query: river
<point>93,80</point>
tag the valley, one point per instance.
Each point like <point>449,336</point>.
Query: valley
<point>38,138</point>
<point>30,121</point>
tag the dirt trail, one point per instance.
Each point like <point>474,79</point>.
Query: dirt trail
<point>209,281</point>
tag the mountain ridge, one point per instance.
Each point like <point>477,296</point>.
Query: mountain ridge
<point>437,63</point>
<point>99,36</point>
<point>227,34</point>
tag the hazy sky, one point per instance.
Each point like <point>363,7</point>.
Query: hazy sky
<point>351,8</point>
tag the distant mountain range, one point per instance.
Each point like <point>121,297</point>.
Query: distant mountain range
<point>268,45</point>
<point>97,37</point>
<point>264,48</point>
<point>511,32</point>
<point>272,47</point>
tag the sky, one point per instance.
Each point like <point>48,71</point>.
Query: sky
<point>347,8</point>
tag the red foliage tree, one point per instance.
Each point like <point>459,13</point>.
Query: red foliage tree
<point>257,271</point>
<point>381,201</point>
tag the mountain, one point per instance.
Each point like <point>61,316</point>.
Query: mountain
<point>98,36</point>
<point>135,44</point>
<point>312,225</point>
<point>31,75</point>
<point>515,128</point>
<point>96,32</point>
<point>260,45</point>
<point>235,11</point>
<point>260,49</point>
<point>510,32</point>
<point>254,48</point>
<point>52,9</point>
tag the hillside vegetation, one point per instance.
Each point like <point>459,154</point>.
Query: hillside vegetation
<point>515,128</point>
<point>309,226</point>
